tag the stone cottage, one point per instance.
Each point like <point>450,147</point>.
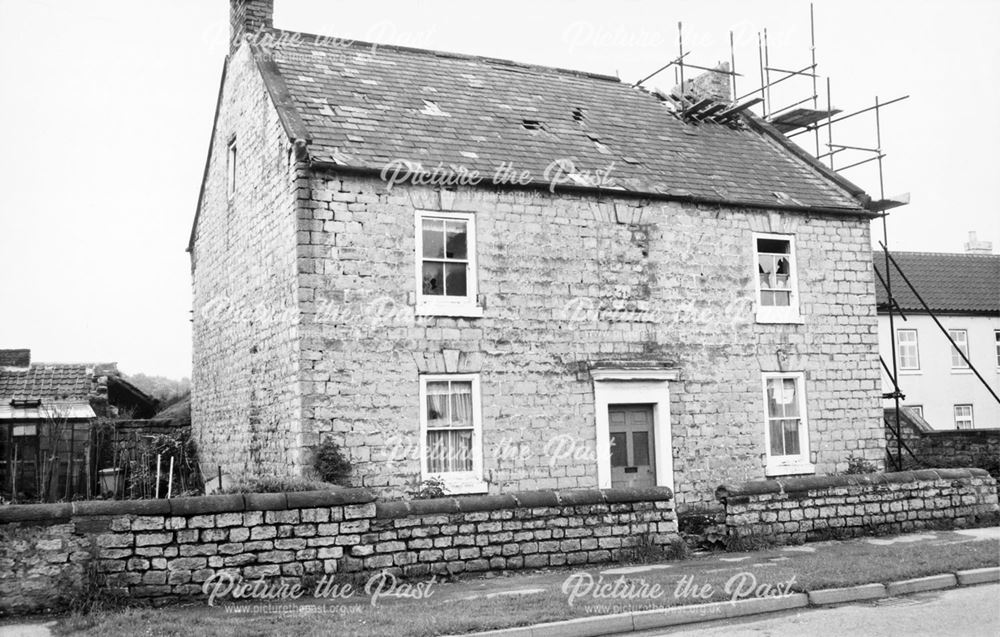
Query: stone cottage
<point>516,277</point>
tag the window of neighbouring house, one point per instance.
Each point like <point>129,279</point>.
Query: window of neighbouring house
<point>915,409</point>
<point>451,431</point>
<point>961,338</point>
<point>908,350</point>
<point>231,168</point>
<point>777,295</point>
<point>963,417</point>
<point>446,264</point>
<point>996,337</point>
<point>786,431</point>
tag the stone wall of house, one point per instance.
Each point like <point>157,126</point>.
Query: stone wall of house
<point>166,549</point>
<point>802,509</point>
<point>245,400</point>
<point>567,280</point>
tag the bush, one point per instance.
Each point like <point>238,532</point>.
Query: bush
<point>331,464</point>
<point>857,465</point>
<point>429,489</point>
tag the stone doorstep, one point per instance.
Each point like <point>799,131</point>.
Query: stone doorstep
<point>695,613</point>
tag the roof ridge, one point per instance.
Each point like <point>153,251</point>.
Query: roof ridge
<point>937,254</point>
<point>354,44</point>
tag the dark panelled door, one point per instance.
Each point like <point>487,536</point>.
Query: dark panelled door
<point>633,462</point>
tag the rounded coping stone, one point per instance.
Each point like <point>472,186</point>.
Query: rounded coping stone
<point>536,499</point>
<point>122,507</point>
<point>332,497</point>
<point>486,503</point>
<point>265,501</point>
<point>816,483</point>
<point>397,509</point>
<point>647,494</point>
<point>759,487</point>
<point>433,505</point>
<point>577,497</point>
<point>51,512</point>
<point>204,504</point>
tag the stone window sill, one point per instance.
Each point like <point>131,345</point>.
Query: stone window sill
<point>445,309</point>
<point>789,469</point>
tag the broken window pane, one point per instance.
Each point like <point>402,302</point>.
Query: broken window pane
<point>433,238</point>
<point>774,271</point>
<point>457,247</point>
<point>433,277</point>
<point>455,285</point>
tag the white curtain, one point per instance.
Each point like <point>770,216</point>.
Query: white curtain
<point>449,426</point>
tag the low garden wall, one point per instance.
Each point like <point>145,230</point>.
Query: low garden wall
<point>944,447</point>
<point>165,549</point>
<point>824,507</point>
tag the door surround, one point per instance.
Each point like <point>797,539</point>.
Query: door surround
<point>634,386</point>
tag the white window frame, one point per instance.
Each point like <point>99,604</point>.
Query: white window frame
<point>961,366</point>
<point>917,409</point>
<point>433,305</point>
<point>971,419</point>
<point>996,337</point>
<point>899,349</point>
<point>231,164</point>
<point>787,465</point>
<point>456,482</point>
<point>773,313</point>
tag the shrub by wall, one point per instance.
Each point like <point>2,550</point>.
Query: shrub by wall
<point>163,550</point>
<point>820,507</point>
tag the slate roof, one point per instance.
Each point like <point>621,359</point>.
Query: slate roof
<point>48,382</point>
<point>948,282</point>
<point>362,105</point>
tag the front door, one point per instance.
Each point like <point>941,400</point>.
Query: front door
<point>633,462</point>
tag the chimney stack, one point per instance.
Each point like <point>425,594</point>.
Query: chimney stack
<point>710,84</point>
<point>247,18</point>
<point>974,246</point>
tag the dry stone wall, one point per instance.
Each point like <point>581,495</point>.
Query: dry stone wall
<point>164,550</point>
<point>801,509</point>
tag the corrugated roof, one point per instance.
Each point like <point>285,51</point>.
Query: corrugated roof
<point>362,106</point>
<point>65,410</point>
<point>48,382</point>
<point>948,282</point>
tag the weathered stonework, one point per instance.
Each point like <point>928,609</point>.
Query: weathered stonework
<point>800,509</point>
<point>247,404</point>
<point>662,281</point>
<point>566,280</point>
<point>166,549</point>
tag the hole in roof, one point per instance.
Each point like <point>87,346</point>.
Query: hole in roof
<point>431,108</point>
<point>578,114</point>
<point>532,124</point>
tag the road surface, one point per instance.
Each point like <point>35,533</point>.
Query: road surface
<point>970,612</point>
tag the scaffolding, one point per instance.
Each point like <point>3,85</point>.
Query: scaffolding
<point>803,117</point>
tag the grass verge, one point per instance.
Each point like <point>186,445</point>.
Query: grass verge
<point>451,611</point>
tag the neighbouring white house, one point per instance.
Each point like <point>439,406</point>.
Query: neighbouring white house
<point>963,292</point>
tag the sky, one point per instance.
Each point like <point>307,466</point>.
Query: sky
<point>107,107</point>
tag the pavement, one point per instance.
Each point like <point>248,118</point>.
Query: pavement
<point>698,568</point>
